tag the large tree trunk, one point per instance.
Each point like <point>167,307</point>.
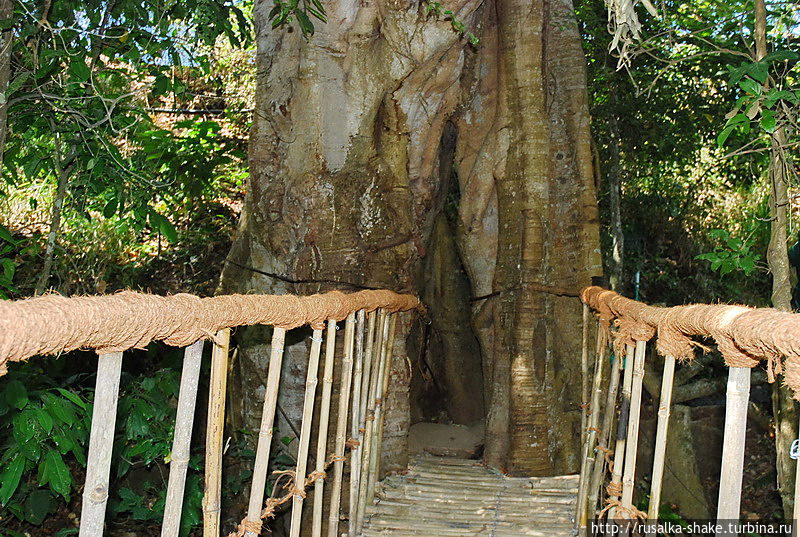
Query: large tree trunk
<point>345,186</point>
<point>528,218</point>
<point>783,405</point>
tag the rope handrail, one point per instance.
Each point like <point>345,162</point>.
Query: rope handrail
<point>53,324</point>
<point>744,335</point>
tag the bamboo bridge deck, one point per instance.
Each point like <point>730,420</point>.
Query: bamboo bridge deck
<point>443,497</point>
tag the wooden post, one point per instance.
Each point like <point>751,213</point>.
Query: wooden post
<point>341,425</point>
<point>582,515</point>
<point>605,435</point>
<point>305,431</point>
<point>322,437</point>
<point>184,419</point>
<point>730,482</point>
<point>585,374</point>
<point>367,413</point>
<point>660,450</point>
<point>101,442</point>
<point>355,423</point>
<point>622,425</point>
<point>261,464</point>
<point>217,387</point>
<point>632,441</point>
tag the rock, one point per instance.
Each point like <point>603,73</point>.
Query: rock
<point>445,440</point>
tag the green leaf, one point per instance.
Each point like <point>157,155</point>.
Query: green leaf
<point>110,208</point>
<point>10,479</point>
<point>16,395</point>
<point>164,226</point>
<point>75,398</point>
<point>780,55</point>
<point>6,236</point>
<point>305,23</point>
<point>768,122</point>
<point>38,505</point>
<point>56,473</point>
<point>161,85</point>
<point>723,136</point>
<point>45,420</point>
<point>78,70</point>
<point>759,71</point>
<point>750,86</point>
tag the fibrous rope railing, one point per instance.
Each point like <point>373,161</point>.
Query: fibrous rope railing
<point>744,335</point>
<point>53,324</point>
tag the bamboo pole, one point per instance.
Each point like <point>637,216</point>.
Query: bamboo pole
<point>389,350</point>
<point>341,425</point>
<point>101,443</point>
<point>380,396</point>
<point>730,482</point>
<point>605,435</point>
<point>355,424</point>
<point>585,374</point>
<point>261,464</point>
<point>322,437</point>
<point>184,420</point>
<point>305,432</point>
<point>370,417</point>
<point>581,517</point>
<point>632,441</point>
<point>660,450</point>
<point>622,425</point>
<point>367,414</point>
<point>217,387</point>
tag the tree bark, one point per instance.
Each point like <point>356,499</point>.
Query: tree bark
<point>346,183</point>
<point>6,43</point>
<point>783,405</point>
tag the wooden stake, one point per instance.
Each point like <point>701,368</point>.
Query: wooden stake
<point>101,442</point>
<point>355,425</point>
<point>585,375</point>
<point>622,425</point>
<point>594,419</point>
<point>184,419</point>
<point>730,481</point>
<point>305,431</point>
<point>605,435</point>
<point>322,437</point>
<point>341,425</point>
<point>660,449</point>
<point>215,428</point>
<point>261,464</point>
<point>632,441</point>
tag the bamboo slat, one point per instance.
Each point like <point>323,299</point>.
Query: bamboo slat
<point>214,433</point>
<point>261,464</point>
<point>322,437</point>
<point>355,425</point>
<point>585,373</point>
<point>375,453</point>
<point>305,431</point>
<point>381,417</point>
<point>632,441</point>
<point>622,425</point>
<point>369,419</point>
<point>730,481</point>
<point>598,471</point>
<point>341,425</point>
<point>581,517</point>
<point>660,450</point>
<point>184,420</point>
<point>101,442</point>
